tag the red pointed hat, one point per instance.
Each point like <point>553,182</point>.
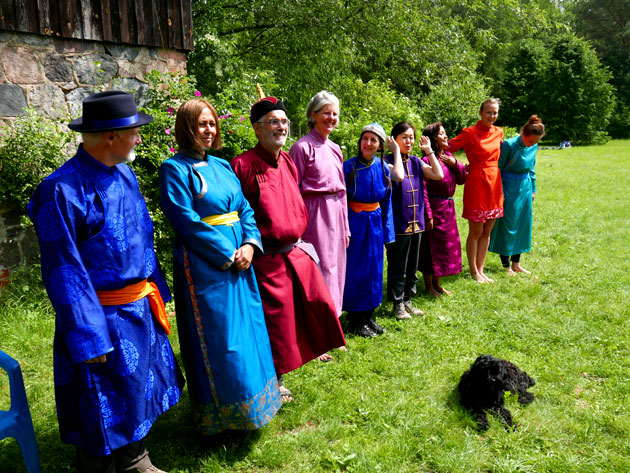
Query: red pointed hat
<point>264,106</point>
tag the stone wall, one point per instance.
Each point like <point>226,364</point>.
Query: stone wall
<point>54,75</point>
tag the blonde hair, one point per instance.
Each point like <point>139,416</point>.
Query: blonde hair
<point>488,102</point>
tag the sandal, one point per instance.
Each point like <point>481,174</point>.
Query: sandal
<point>285,394</point>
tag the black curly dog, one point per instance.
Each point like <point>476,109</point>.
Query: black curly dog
<point>482,387</point>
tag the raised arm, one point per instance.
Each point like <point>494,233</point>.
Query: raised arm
<point>434,171</point>
<point>397,171</point>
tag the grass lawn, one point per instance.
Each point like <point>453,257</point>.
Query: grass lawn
<point>390,404</point>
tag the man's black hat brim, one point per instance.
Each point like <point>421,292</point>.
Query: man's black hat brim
<point>109,111</point>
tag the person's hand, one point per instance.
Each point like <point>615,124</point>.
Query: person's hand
<point>98,359</point>
<point>425,145</point>
<point>533,196</point>
<point>467,167</point>
<point>347,242</point>
<point>392,145</point>
<point>428,224</point>
<point>243,257</point>
<point>448,160</point>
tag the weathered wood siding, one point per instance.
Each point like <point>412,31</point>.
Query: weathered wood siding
<point>161,23</point>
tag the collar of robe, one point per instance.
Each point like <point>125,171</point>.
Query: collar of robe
<point>193,153</point>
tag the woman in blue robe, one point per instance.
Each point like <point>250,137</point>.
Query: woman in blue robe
<point>371,225</point>
<point>223,337</point>
<point>512,233</point>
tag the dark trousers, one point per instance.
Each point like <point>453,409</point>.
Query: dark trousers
<point>505,260</point>
<point>402,267</point>
<point>131,457</point>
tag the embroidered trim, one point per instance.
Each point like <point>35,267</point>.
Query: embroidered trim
<point>197,314</point>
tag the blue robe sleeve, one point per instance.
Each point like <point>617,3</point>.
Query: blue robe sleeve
<point>506,153</point>
<point>387,214</point>
<point>532,171</point>
<point>177,203</point>
<point>157,276</point>
<point>57,211</point>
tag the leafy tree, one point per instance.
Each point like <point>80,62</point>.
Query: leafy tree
<point>606,23</point>
<point>439,59</point>
<point>577,97</point>
<point>561,80</point>
<point>300,47</point>
<point>522,82</point>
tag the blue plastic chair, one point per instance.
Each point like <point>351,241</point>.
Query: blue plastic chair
<point>17,422</point>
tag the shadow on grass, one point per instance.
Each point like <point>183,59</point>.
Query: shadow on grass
<point>173,443</point>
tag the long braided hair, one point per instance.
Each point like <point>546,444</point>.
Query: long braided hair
<point>353,174</point>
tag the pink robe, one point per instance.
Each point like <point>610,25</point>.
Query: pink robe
<point>440,248</point>
<point>299,311</point>
<point>319,164</point>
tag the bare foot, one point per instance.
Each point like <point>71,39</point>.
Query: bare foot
<point>479,278</point>
<point>441,290</point>
<point>487,278</point>
<point>324,357</point>
<point>510,271</point>
<point>286,395</point>
<point>433,292</point>
<point>342,348</point>
<point>519,269</point>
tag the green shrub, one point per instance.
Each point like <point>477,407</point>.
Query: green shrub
<point>167,92</point>
<point>560,79</point>
<point>31,147</point>
<point>363,103</point>
<point>455,104</point>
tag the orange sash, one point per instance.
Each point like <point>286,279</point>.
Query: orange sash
<point>362,206</point>
<point>135,292</point>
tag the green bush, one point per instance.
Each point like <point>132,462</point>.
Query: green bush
<point>455,104</point>
<point>167,92</point>
<point>561,80</point>
<point>363,103</point>
<point>31,147</point>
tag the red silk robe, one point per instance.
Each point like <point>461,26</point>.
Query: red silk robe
<point>300,313</point>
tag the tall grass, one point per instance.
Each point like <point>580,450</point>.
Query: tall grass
<point>390,404</point>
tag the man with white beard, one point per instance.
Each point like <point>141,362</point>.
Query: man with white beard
<point>114,368</point>
<point>299,310</point>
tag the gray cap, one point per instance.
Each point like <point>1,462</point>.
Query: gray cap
<point>376,129</point>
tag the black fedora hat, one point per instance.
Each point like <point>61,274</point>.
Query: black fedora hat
<point>106,111</point>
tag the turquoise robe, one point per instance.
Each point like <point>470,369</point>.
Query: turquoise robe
<point>223,337</point>
<point>512,233</point>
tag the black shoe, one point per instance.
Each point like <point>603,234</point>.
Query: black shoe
<point>365,331</point>
<point>376,328</point>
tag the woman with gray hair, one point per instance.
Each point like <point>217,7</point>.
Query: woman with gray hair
<point>319,163</point>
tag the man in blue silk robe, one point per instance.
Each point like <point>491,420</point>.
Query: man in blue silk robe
<point>114,368</point>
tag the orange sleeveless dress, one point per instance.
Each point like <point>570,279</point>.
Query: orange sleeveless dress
<point>483,192</point>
